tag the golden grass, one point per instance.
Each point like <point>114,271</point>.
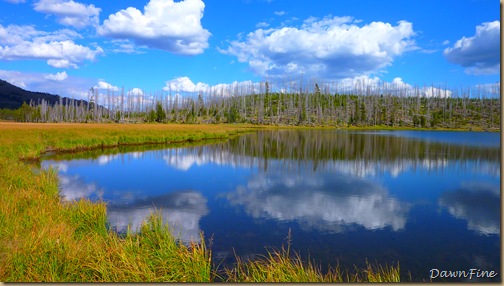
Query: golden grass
<point>43,239</point>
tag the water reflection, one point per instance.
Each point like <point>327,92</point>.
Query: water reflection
<point>73,187</point>
<point>181,210</point>
<point>329,202</point>
<point>367,153</point>
<point>346,196</point>
<point>358,154</point>
<point>478,204</point>
<point>105,159</point>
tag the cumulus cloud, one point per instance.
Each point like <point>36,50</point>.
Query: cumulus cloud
<point>58,76</point>
<point>58,48</point>
<point>106,86</point>
<point>184,84</point>
<point>332,47</point>
<point>479,54</point>
<point>363,83</point>
<point>236,87</point>
<point>166,25</point>
<point>69,12</point>
<point>135,91</point>
<point>397,87</point>
<point>435,92</point>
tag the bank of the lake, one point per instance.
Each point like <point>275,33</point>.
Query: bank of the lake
<point>43,239</point>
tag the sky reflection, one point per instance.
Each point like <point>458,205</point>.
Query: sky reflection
<point>477,203</point>
<point>329,202</point>
<point>181,210</point>
<point>336,190</point>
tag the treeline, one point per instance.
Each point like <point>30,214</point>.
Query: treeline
<point>261,104</point>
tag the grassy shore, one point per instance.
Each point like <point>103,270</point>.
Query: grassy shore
<point>44,239</point>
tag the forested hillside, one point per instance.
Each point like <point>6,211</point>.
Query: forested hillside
<point>313,105</point>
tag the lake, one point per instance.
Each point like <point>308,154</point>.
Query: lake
<point>427,199</point>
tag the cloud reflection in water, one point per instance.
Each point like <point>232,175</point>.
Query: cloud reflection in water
<point>181,210</point>
<point>72,187</point>
<point>478,204</point>
<point>331,202</point>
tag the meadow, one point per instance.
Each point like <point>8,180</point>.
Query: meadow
<point>45,239</point>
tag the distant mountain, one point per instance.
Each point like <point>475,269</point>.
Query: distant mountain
<point>12,97</point>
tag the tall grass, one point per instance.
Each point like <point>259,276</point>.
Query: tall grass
<point>44,239</point>
<point>284,265</point>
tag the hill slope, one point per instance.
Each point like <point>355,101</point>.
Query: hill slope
<point>12,97</point>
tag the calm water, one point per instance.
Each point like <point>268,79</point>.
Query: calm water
<point>430,200</point>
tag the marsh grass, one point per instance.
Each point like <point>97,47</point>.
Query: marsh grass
<point>284,265</point>
<point>43,239</point>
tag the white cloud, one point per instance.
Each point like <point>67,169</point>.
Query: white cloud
<point>126,46</point>
<point>236,88</point>
<point>167,25</point>
<point>61,64</point>
<point>58,48</point>
<point>435,92</point>
<point>106,86</point>
<point>399,83</point>
<point>328,48</point>
<point>184,84</point>
<point>69,12</point>
<point>135,91</point>
<point>479,54</point>
<point>376,86</point>
<point>58,76</point>
<point>280,13</point>
<point>357,84</point>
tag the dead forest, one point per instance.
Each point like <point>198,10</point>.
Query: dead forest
<point>271,103</point>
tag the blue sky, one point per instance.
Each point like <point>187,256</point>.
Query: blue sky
<point>67,46</point>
